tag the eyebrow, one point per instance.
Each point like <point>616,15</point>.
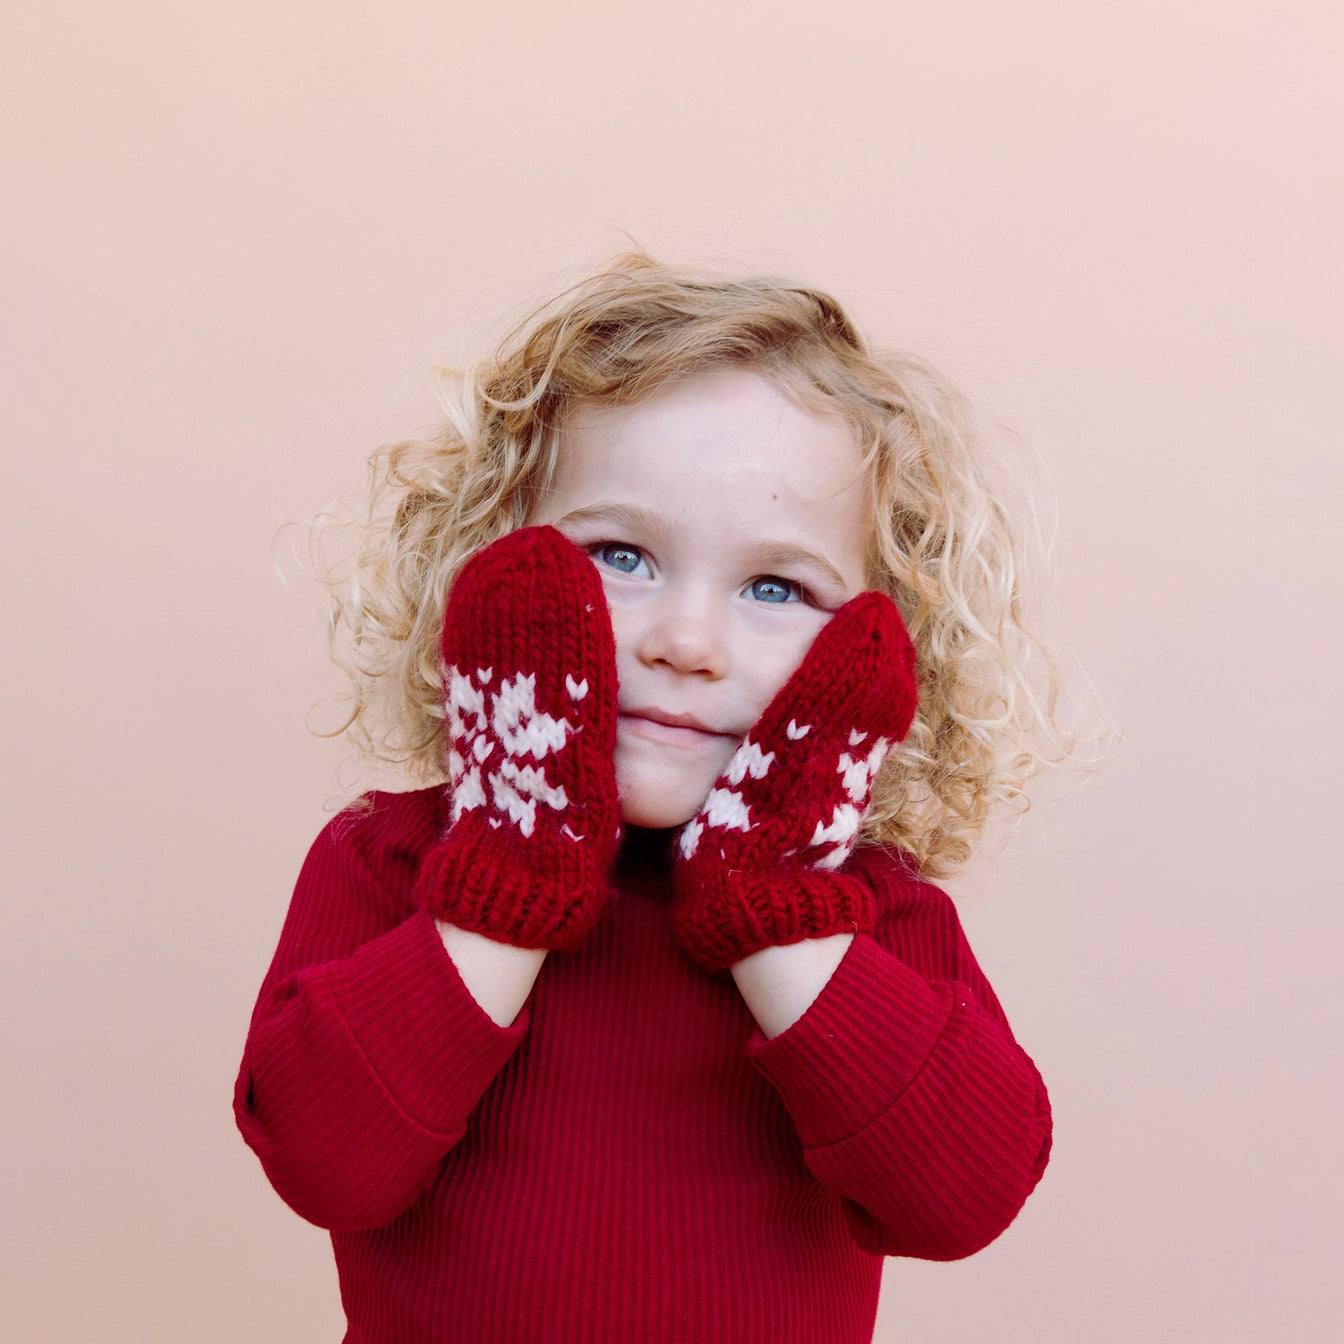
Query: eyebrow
<point>629,516</point>
<point>769,555</point>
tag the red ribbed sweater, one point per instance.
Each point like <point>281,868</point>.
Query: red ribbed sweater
<point>631,1160</point>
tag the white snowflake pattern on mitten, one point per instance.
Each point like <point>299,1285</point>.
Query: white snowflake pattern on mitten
<point>856,774</point>
<point>490,729</point>
<point>728,809</point>
<point>725,807</point>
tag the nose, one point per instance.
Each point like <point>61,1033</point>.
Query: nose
<point>683,636</point>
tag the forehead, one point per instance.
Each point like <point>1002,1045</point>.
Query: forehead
<point>726,466</point>
<point>723,422</point>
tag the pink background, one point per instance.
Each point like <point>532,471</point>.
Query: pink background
<point>234,238</point>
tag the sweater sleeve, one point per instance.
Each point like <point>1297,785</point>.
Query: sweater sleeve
<point>911,1098</point>
<point>366,1053</point>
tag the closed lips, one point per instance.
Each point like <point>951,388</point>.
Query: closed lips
<point>668,727</point>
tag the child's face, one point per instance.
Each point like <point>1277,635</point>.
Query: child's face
<point>729,524</point>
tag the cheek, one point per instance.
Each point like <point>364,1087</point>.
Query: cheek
<point>775,655</point>
<point>622,627</point>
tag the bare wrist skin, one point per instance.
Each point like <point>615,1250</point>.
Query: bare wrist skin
<point>498,976</point>
<point>780,984</point>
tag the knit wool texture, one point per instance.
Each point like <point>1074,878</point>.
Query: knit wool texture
<point>530,698</point>
<point>757,862</point>
<point>631,1161</point>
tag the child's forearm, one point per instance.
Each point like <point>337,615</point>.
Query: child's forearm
<point>780,984</point>
<point>499,975</point>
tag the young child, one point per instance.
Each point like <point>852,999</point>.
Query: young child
<point>648,1023</point>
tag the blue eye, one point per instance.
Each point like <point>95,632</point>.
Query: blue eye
<point>620,557</point>
<point>772,589</point>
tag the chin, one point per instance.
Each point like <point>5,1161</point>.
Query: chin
<point>654,814</point>
<point>659,799</point>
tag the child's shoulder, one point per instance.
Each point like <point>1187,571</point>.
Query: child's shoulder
<point>894,876</point>
<point>387,831</point>
<point>917,921</point>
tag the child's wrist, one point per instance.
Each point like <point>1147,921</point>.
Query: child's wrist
<point>779,984</point>
<point>499,976</point>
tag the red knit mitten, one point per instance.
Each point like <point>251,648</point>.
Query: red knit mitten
<point>530,683</point>
<point>755,865</point>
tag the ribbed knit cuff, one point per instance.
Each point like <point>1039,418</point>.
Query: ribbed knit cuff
<point>858,1047</point>
<point>487,881</point>
<point>742,912</point>
<point>426,1038</point>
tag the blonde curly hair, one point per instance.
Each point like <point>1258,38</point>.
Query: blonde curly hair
<point>946,547</point>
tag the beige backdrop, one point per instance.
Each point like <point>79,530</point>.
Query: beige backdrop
<point>236,235</point>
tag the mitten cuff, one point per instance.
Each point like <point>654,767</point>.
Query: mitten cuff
<point>476,881</point>
<point>749,911</point>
